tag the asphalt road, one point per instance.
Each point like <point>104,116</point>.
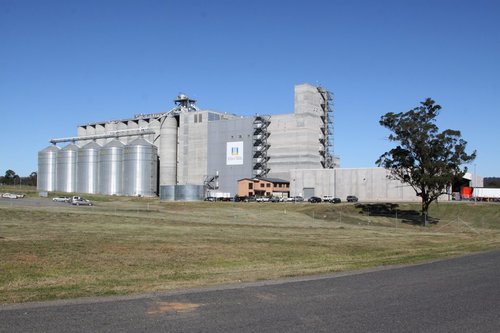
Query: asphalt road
<point>455,295</point>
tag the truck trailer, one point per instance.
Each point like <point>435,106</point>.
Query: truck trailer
<point>486,194</point>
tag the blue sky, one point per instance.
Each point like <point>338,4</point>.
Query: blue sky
<point>66,63</point>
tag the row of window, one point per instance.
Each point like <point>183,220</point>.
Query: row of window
<point>267,193</point>
<point>250,185</point>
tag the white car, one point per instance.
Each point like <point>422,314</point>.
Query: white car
<point>297,198</point>
<point>9,196</point>
<point>61,199</point>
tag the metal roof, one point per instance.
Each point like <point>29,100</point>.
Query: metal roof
<point>271,180</point>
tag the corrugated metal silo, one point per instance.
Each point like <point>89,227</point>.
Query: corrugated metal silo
<point>189,192</point>
<point>167,192</point>
<point>111,168</point>
<point>140,163</point>
<point>47,171</point>
<point>87,168</point>
<point>168,152</point>
<point>66,168</point>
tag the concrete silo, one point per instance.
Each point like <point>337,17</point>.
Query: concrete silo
<point>110,173</point>
<point>168,158</point>
<point>66,168</point>
<point>47,171</point>
<point>87,168</point>
<point>140,168</point>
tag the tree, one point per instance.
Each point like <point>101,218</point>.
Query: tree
<point>9,177</point>
<point>425,158</point>
<point>32,179</point>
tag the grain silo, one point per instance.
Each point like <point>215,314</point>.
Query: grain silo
<point>140,165</point>
<point>111,168</point>
<point>47,160</point>
<point>87,168</point>
<point>66,168</point>
<point>189,192</point>
<point>168,158</point>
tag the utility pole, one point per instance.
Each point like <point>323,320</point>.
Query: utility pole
<point>475,184</point>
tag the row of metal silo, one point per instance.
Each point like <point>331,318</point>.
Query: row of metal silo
<point>112,169</point>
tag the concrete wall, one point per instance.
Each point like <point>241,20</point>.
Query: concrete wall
<point>192,153</point>
<point>307,100</point>
<point>368,184</point>
<point>219,134</point>
<point>295,138</point>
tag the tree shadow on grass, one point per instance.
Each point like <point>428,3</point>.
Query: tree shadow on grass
<point>392,210</point>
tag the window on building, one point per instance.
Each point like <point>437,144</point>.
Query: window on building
<point>250,186</point>
<point>268,193</point>
<point>213,116</point>
<point>268,185</point>
<point>262,185</point>
<point>200,117</point>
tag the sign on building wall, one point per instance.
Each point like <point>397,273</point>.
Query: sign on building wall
<point>234,153</point>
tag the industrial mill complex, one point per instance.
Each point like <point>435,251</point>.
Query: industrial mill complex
<point>190,153</point>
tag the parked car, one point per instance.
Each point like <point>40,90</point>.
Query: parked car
<point>13,195</point>
<point>82,202</point>
<point>328,198</point>
<point>210,199</point>
<point>262,199</point>
<point>352,198</point>
<point>61,199</point>
<point>297,198</point>
<point>276,199</point>
<point>336,200</point>
<point>239,198</point>
<point>243,198</point>
<point>314,199</point>
<point>76,198</point>
<point>251,198</point>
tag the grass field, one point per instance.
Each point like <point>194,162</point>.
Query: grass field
<point>125,245</point>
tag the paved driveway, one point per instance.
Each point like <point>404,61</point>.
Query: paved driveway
<point>456,295</point>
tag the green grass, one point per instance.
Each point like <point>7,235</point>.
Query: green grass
<point>29,191</point>
<point>132,245</point>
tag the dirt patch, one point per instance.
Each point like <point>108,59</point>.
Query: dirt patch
<point>266,297</point>
<point>168,307</point>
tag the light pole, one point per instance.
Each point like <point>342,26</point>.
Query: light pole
<point>475,184</point>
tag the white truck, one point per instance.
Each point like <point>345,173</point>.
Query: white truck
<point>486,194</point>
